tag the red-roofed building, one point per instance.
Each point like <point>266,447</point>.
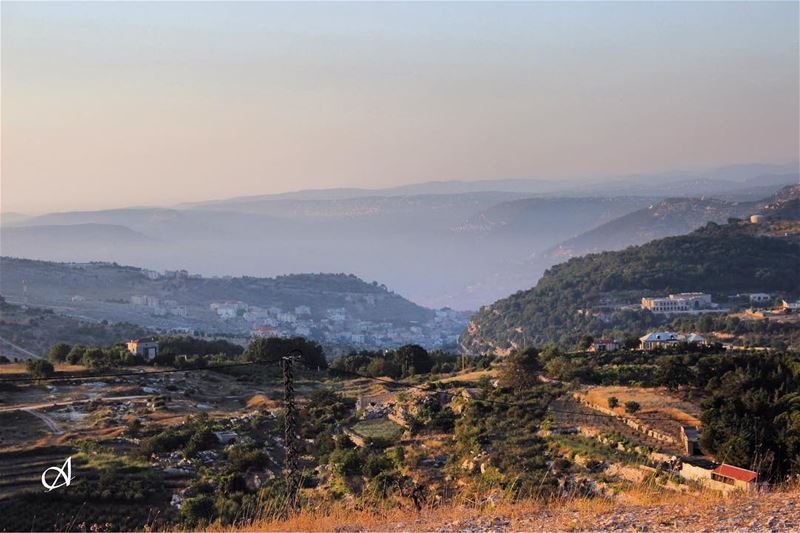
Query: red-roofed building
<point>264,331</point>
<point>733,475</point>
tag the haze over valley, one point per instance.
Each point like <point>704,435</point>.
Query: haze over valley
<point>473,267</point>
<point>443,244</point>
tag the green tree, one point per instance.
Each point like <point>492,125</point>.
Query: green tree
<point>673,372</point>
<point>613,402</point>
<point>198,510</point>
<point>58,352</point>
<point>272,349</point>
<point>75,354</point>
<point>94,357</point>
<point>705,323</point>
<point>753,416</point>
<point>414,359</point>
<point>585,342</point>
<point>39,368</point>
<point>521,369</point>
<point>631,407</point>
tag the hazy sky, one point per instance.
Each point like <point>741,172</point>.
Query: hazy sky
<point>115,104</point>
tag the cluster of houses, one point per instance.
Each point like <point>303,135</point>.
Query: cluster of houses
<point>159,307</point>
<point>335,325</point>
<point>667,339</point>
<point>328,325</point>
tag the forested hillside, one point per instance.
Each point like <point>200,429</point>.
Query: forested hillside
<point>718,259</point>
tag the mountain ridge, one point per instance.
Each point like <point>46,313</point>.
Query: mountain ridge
<point>716,258</point>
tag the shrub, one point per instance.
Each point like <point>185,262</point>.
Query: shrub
<point>75,355</point>
<point>198,510</point>
<point>244,457</point>
<point>375,464</point>
<point>347,462</point>
<point>631,407</point>
<point>40,368</point>
<point>58,352</point>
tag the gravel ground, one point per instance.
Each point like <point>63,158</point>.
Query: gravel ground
<point>770,512</point>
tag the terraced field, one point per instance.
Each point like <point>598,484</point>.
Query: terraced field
<point>22,471</point>
<point>105,490</point>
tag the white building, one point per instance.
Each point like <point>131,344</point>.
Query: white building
<point>228,309</point>
<point>146,347</point>
<point>302,310</point>
<point>149,301</point>
<point>683,302</point>
<point>759,297</point>
<point>665,339</point>
<point>337,315</point>
<point>151,274</point>
<point>287,317</point>
<point>604,345</point>
<point>791,306</point>
<point>226,312</point>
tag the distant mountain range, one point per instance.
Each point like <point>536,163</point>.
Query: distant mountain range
<point>673,216</point>
<point>456,244</point>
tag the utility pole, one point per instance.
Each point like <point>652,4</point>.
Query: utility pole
<point>290,431</point>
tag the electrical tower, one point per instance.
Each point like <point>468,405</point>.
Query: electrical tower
<point>290,430</point>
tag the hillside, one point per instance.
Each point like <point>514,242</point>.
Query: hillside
<point>718,259</point>
<point>784,204</point>
<point>333,308</point>
<point>673,216</point>
<point>543,218</point>
<point>25,332</point>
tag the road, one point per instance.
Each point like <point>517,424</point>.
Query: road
<point>51,405</point>
<point>19,348</point>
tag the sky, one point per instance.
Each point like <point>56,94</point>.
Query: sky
<point>130,103</point>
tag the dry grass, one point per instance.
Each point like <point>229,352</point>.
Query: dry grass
<point>652,400</point>
<point>645,505</point>
<point>475,376</point>
<point>13,368</point>
<point>260,401</point>
<point>19,368</point>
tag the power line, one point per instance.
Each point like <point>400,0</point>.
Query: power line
<point>290,430</point>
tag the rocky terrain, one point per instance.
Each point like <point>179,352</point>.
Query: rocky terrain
<point>635,511</point>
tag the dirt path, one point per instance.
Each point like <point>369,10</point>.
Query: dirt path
<point>54,427</point>
<point>50,405</point>
<point>19,348</point>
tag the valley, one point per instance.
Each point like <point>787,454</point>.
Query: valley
<point>610,380</point>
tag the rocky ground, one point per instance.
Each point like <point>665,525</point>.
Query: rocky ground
<point>633,510</point>
<point>767,512</point>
